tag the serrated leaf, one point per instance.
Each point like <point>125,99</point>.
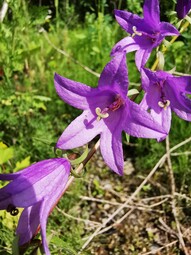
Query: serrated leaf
<point>22,164</point>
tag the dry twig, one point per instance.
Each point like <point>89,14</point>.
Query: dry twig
<point>135,193</point>
<point>173,190</point>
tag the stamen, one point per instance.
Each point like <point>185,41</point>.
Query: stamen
<point>164,104</point>
<point>136,32</point>
<point>116,104</point>
<point>101,114</point>
<point>12,210</point>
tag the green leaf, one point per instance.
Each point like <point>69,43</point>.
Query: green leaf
<point>6,154</point>
<point>8,220</point>
<point>80,36</point>
<point>2,145</point>
<point>42,98</point>
<point>22,164</point>
<point>39,105</point>
<point>96,49</point>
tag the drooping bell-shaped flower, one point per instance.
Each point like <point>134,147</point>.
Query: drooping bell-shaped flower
<point>182,8</point>
<point>37,189</point>
<point>106,112</point>
<point>146,33</point>
<point>166,93</point>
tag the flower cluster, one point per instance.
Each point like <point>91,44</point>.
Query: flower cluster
<point>107,111</point>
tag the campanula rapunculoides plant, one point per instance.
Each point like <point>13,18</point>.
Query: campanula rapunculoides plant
<point>37,189</point>
<point>107,111</point>
<point>146,33</point>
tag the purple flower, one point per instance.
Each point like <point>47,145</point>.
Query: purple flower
<point>182,8</point>
<point>37,188</point>
<point>146,33</point>
<point>164,93</point>
<point>106,111</point>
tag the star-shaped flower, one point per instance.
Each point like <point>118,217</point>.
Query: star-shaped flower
<point>37,189</point>
<point>182,8</point>
<point>166,93</point>
<point>146,33</point>
<point>106,111</point>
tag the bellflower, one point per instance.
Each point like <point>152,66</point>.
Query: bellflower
<point>37,189</point>
<point>166,93</point>
<point>146,33</point>
<point>106,111</point>
<point>182,8</point>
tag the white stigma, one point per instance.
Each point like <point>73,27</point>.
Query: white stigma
<point>100,114</point>
<point>164,105</point>
<point>136,32</point>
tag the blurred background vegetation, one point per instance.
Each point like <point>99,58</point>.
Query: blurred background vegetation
<point>39,38</point>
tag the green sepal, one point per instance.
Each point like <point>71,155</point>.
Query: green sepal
<point>81,158</point>
<point>76,175</point>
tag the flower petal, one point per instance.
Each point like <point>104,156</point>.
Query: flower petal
<point>179,103</point>
<point>35,183</point>
<point>114,76</point>
<point>28,223</point>
<point>167,29</point>
<point>73,93</point>
<point>127,44</point>
<point>182,8</point>
<point>141,57</point>
<point>180,84</point>
<point>140,123</point>
<point>111,142</point>
<point>151,12</point>
<point>49,203</point>
<point>128,20</point>
<point>81,130</point>
<point>163,118</point>
<point>43,223</point>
